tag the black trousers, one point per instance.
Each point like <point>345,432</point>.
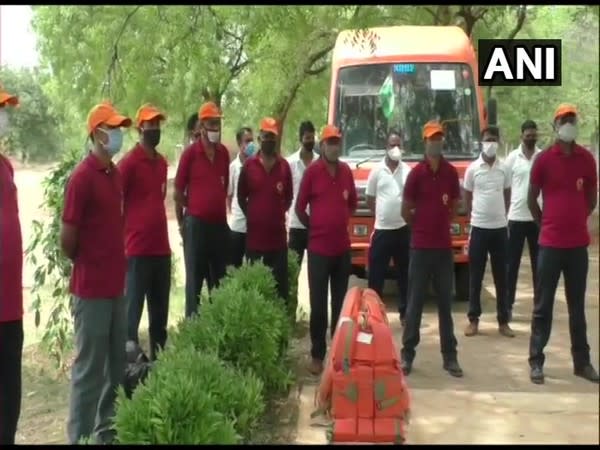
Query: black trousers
<point>298,242</point>
<point>437,266</point>
<point>277,261</point>
<point>518,232</point>
<point>386,245</point>
<point>482,242</point>
<point>237,248</point>
<point>11,351</point>
<point>204,257</point>
<point>323,271</point>
<point>148,277</point>
<point>573,264</point>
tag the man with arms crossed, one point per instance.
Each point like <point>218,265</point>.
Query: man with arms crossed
<point>328,189</point>
<point>487,196</point>
<point>237,219</point>
<point>92,237</point>
<point>431,194</point>
<point>521,225</point>
<point>298,162</point>
<point>265,194</point>
<point>201,185</point>
<point>11,290</point>
<point>144,177</point>
<point>566,176</point>
<point>391,238</point>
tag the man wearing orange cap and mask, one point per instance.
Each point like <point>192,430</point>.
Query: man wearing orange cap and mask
<point>144,175</point>
<point>430,197</point>
<point>11,290</point>
<point>265,193</point>
<point>327,188</point>
<point>566,176</point>
<point>92,237</point>
<point>201,185</point>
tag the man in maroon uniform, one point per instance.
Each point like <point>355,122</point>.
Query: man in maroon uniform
<point>430,197</point>
<point>201,188</point>
<point>265,193</point>
<point>92,237</point>
<point>327,188</point>
<point>566,176</point>
<point>144,176</point>
<point>11,290</point>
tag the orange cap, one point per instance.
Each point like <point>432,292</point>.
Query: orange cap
<point>8,99</point>
<point>107,114</point>
<point>209,110</point>
<point>432,128</point>
<point>148,112</point>
<point>269,125</point>
<point>564,109</point>
<point>330,131</point>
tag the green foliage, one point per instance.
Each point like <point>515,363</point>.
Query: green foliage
<point>247,330</point>
<point>54,269</point>
<point>172,409</point>
<point>34,134</point>
<point>235,395</point>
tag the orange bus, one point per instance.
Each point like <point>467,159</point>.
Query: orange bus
<point>411,75</point>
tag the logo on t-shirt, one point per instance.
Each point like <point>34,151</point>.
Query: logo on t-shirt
<point>345,194</point>
<point>445,199</point>
<point>279,187</point>
<point>579,184</point>
<point>223,181</point>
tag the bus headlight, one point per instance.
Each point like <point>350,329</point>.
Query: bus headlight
<point>360,230</point>
<point>455,229</point>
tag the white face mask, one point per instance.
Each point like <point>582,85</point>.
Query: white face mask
<point>567,132</point>
<point>395,154</point>
<point>213,136</point>
<point>489,149</point>
<point>3,121</point>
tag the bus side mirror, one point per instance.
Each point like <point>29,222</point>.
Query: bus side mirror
<point>492,112</point>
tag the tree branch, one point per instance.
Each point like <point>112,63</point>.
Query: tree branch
<point>115,53</point>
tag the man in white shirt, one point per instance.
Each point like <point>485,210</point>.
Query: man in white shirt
<point>521,225</point>
<point>391,237</point>
<point>487,195</point>
<point>299,161</point>
<point>237,219</point>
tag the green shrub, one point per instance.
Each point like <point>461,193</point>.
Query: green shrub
<point>171,407</point>
<point>238,395</point>
<point>243,328</point>
<point>293,273</point>
<point>254,276</point>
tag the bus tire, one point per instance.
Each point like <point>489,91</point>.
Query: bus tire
<point>461,282</point>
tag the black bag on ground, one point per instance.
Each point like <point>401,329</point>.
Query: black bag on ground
<point>137,369</point>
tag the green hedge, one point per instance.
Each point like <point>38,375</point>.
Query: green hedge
<point>212,382</point>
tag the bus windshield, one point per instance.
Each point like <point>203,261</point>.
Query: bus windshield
<point>374,99</point>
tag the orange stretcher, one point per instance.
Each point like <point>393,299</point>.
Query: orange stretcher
<point>363,389</point>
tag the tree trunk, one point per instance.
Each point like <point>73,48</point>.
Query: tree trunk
<point>282,110</point>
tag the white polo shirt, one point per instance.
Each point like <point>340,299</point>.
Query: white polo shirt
<point>519,169</point>
<point>297,167</point>
<point>237,220</point>
<point>387,187</point>
<point>487,183</point>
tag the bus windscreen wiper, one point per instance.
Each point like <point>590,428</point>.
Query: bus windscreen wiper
<point>358,164</point>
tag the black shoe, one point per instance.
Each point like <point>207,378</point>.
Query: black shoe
<point>536,375</point>
<point>588,373</point>
<point>453,368</point>
<point>406,367</point>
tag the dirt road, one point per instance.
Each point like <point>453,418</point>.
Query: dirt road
<point>493,403</point>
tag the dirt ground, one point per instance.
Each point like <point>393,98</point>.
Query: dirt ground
<point>493,403</point>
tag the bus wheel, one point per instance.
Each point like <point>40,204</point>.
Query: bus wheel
<point>461,282</point>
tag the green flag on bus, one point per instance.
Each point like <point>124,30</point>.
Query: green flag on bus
<point>386,97</point>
